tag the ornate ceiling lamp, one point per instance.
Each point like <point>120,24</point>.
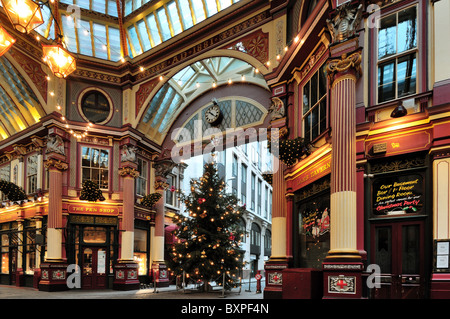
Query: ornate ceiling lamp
<point>6,41</point>
<point>60,61</point>
<point>25,15</point>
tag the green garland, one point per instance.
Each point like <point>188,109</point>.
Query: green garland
<point>12,191</point>
<point>289,150</point>
<point>150,200</point>
<point>91,192</point>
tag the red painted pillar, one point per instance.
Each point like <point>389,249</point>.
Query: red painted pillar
<point>53,269</point>
<point>343,267</point>
<point>160,274</point>
<point>126,269</point>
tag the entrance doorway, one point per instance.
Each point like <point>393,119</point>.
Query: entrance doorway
<point>398,248</point>
<point>93,268</point>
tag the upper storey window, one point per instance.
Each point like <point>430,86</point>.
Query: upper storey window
<point>397,55</point>
<point>315,105</point>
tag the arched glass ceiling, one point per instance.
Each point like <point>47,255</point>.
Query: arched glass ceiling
<point>19,106</point>
<point>191,82</point>
<point>159,21</point>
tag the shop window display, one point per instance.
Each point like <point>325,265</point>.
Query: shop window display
<point>314,231</point>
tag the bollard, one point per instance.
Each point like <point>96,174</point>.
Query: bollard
<point>258,282</point>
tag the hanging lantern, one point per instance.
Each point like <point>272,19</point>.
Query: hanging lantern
<point>6,41</point>
<point>25,15</point>
<point>60,61</point>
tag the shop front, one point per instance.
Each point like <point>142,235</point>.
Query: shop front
<point>399,226</point>
<point>93,246</point>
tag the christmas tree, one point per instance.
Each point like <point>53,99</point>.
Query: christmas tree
<point>209,238</point>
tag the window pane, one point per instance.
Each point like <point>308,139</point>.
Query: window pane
<point>323,116</point>
<point>134,39</point>
<point>186,14</point>
<point>410,249</point>
<point>407,29</point>
<point>103,159</point>
<point>306,103</point>
<point>69,32</point>
<point>151,21</point>
<point>163,24</point>
<point>224,4</point>
<point>86,157</point>
<point>84,39</point>
<point>99,6</point>
<point>174,18</point>
<point>211,7</point>
<point>386,81</point>
<point>406,75</point>
<point>100,42</point>
<point>307,123</point>
<point>387,37</point>
<point>114,44</point>
<point>144,35</point>
<point>112,8</point>
<point>314,89</point>
<point>128,6</point>
<point>322,81</point>
<point>198,10</point>
<point>315,122</point>
<point>383,251</point>
<point>95,157</point>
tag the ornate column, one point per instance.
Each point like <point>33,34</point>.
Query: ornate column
<point>126,269</point>
<point>280,255</point>
<point>159,271</point>
<point>343,267</point>
<point>53,269</point>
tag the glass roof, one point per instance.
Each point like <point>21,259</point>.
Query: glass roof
<point>191,82</point>
<point>99,37</point>
<point>18,103</point>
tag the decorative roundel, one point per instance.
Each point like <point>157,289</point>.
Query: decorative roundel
<point>95,106</point>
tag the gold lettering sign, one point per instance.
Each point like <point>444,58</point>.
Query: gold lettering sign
<point>379,148</point>
<point>93,209</point>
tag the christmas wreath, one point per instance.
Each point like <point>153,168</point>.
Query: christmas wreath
<point>91,192</point>
<point>150,199</point>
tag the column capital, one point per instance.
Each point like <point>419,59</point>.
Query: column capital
<point>348,65</point>
<point>54,163</point>
<point>128,171</point>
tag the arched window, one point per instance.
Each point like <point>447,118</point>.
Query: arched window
<point>267,243</point>
<point>255,239</point>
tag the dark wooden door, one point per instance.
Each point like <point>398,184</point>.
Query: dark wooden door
<point>398,248</point>
<point>93,268</point>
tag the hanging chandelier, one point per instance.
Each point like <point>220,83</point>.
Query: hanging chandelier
<point>6,41</point>
<point>59,60</point>
<point>25,15</point>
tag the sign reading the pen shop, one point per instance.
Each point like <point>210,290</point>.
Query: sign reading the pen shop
<point>397,195</point>
<point>79,208</point>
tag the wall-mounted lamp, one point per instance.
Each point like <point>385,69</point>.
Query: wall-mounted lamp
<point>399,111</point>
